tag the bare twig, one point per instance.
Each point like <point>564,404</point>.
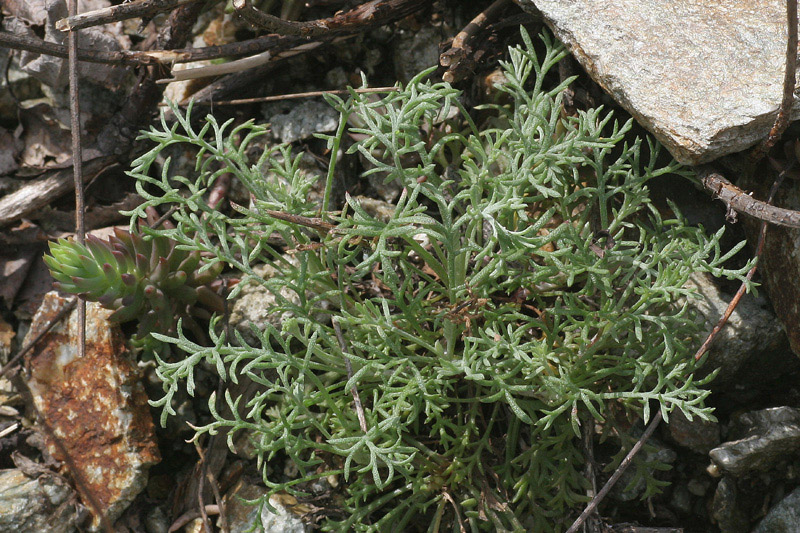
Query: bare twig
<point>359,19</point>
<point>9,430</point>
<point>191,515</point>
<point>80,230</point>
<point>354,390</point>
<point>617,474</point>
<point>274,43</point>
<point>310,94</point>
<point>201,507</point>
<point>69,306</point>
<point>106,15</point>
<point>789,80</point>
<point>36,45</point>
<point>762,234</point>
<point>239,65</point>
<point>738,200</point>
<point>77,163</point>
<point>38,192</point>
<point>460,49</point>
<point>272,23</point>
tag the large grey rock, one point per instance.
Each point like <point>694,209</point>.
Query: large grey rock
<point>764,439</point>
<point>784,517</point>
<point>752,345</point>
<point>727,509</point>
<point>29,505</point>
<point>704,77</point>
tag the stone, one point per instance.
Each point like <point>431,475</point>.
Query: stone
<point>751,347</point>
<point>780,261</point>
<point>416,51</point>
<point>706,78</point>
<point>36,504</point>
<point>94,406</point>
<point>256,306</point>
<point>698,435</point>
<point>784,517</point>
<point>304,120</point>
<point>764,439</point>
<point>53,71</point>
<point>242,517</point>
<point>726,508</point>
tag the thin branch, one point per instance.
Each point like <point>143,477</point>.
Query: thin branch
<point>80,230</point>
<point>354,390</point>
<point>106,15</point>
<point>191,515</point>
<point>762,234</point>
<point>789,80</point>
<point>617,474</point>
<point>239,65</point>
<point>68,307</point>
<point>201,504</point>
<point>359,19</point>
<point>459,49</point>
<point>738,200</point>
<point>292,96</point>
<point>271,23</point>
<point>38,46</point>
<point>77,163</point>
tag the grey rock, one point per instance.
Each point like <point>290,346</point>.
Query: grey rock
<point>698,435</point>
<point>726,509</point>
<point>764,439</point>
<point>704,77</point>
<point>304,120</point>
<point>29,505</point>
<point>242,517</point>
<point>378,209</point>
<point>416,51</point>
<point>752,340</point>
<point>784,517</point>
<point>256,306</point>
<point>156,521</point>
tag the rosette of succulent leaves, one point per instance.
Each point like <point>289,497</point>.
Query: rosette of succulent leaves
<point>523,288</point>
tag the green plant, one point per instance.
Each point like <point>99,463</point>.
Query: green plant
<point>524,284</point>
<point>146,280</point>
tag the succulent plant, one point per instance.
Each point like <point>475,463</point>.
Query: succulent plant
<point>150,280</point>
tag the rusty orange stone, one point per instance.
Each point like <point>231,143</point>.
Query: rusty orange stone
<point>94,409</point>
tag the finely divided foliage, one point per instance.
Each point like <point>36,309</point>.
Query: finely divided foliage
<point>524,285</point>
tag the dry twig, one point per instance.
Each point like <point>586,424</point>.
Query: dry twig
<point>455,58</point>
<point>358,19</point>
<point>292,96</point>
<point>789,80</point>
<point>106,15</point>
<point>738,200</point>
<point>362,421</point>
<point>39,46</point>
